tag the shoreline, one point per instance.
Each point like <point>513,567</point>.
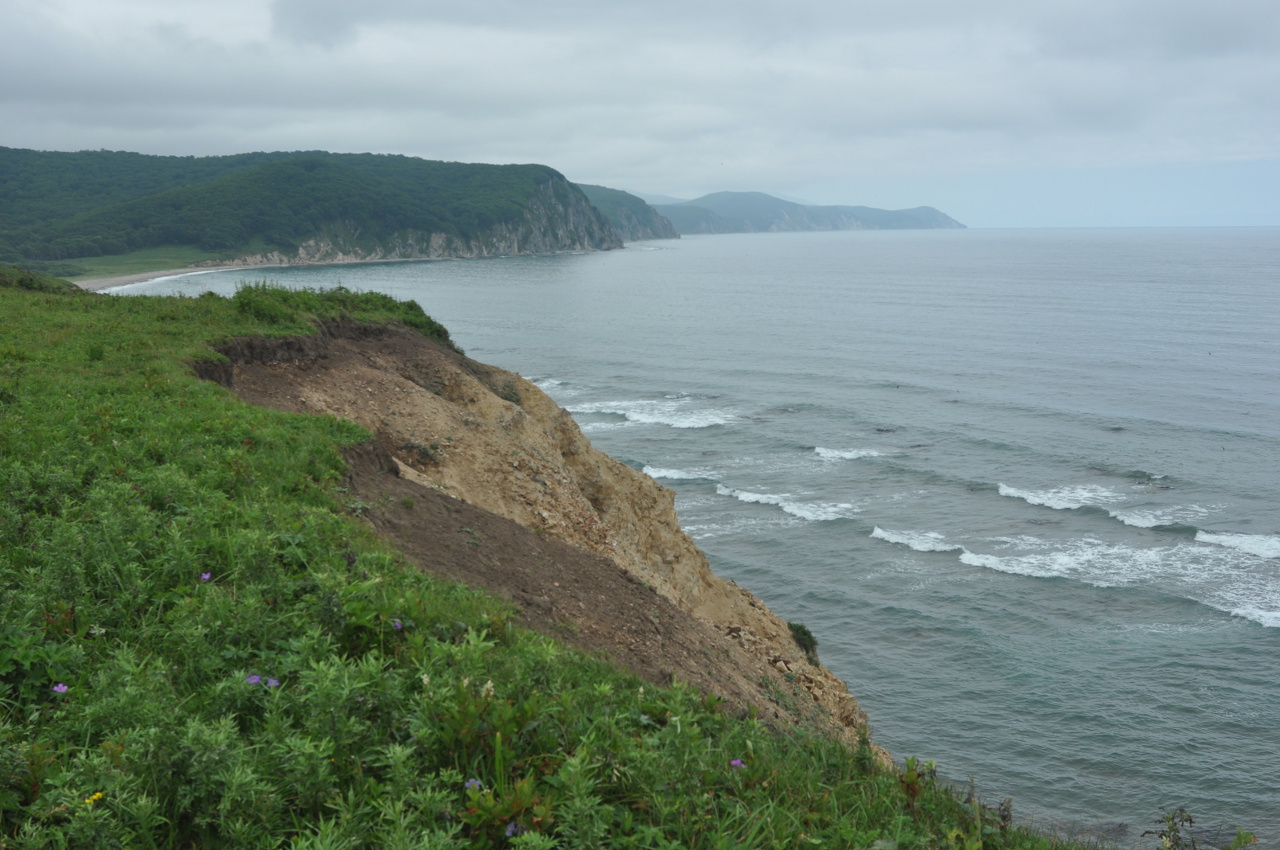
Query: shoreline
<point>97,284</point>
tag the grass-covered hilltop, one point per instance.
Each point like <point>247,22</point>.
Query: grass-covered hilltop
<point>208,640</point>
<point>65,210</point>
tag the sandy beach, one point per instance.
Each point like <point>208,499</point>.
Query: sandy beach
<point>97,284</point>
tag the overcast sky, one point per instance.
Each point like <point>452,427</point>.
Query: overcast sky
<point>1002,113</point>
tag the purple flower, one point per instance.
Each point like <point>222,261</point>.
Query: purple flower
<point>253,680</point>
<point>513,828</point>
<point>60,688</point>
<point>272,683</point>
<point>397,624</point>
<point>737,764</point>
<point>473,785</point>
<point>206,576</point>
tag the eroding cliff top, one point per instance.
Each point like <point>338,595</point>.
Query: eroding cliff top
<point>477,475</point>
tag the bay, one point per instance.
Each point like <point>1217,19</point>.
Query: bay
<point>1024,486</point>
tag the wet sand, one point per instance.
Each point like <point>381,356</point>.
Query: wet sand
<point>97,284</point>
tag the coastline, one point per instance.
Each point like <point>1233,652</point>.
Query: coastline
<point>97,284</point>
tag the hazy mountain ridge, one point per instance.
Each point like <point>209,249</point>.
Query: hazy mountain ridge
<point>631,215</point>
<point>756,212</point>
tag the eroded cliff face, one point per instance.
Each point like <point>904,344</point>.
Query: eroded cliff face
<point>494,440</point>
<point>557,219</point>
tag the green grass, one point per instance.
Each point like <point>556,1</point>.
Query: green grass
<point>146,260</point>
<point>202,646</point>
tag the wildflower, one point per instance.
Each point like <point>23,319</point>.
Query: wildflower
<point>206,576</point>
<point>60,688</point>
<point>272,683</point>
<point>513,828</point>
<point>487,690</point>
<point>397,624</point>
<point>474,785</point>
<point>737,764</point>
<point>89,801</point>
<point>253,680</point>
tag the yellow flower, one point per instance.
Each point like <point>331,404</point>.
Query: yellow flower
<point>89,801</point>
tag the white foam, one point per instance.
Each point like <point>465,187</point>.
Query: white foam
<point>814,511</point>
<point>593,427</point>
<point>1259,545</point>
<point>1184,515</point>
<point>677,474</point>
<point>845,454</point>
<point>921,541</point>
<point>671,412</point>
<point>1223,578</point>
<point>1065,498</point>
<point>1270,619</point>
<point>1090,561</point>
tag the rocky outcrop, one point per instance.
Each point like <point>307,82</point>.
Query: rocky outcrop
<point>633,218</point>
<point>557,219</point>
<point>494,440</point>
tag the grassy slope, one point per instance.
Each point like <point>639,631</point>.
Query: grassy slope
<point>202,646</point>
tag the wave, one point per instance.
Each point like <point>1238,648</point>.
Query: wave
<point>1065,498</point>
<point>1259,545</point>
<point>593,427</point>
<point>921,541</point>
<point>1226,579</point>
<point>677,474</point>
<point>1089,561</point>
<point>671,412</point>
<point>845,454</point>
<point>1180,518</point>
<point>814,511</point>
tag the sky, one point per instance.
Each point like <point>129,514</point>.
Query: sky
<point>1001,113</point>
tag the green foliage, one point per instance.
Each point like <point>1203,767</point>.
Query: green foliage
<point>805,640</point>
<point>633,218</point>
<point>95,203</point>
<point>15,277</point>
<point>201,647</point>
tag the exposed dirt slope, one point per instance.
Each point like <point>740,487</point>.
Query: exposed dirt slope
<point>507,494</point>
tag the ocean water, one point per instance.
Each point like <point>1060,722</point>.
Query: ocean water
<point>1023,485</point>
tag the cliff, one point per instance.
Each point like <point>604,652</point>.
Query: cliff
<point>630,215</point>
<point>452,429</point>
<point>288,207</point>
<point>552,221</point>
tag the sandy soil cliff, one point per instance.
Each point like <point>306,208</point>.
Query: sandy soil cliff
<point>493,440</point>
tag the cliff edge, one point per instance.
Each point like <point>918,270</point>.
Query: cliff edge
<point>478,474</point>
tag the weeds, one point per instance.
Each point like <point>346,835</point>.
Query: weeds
<point>202,646</point>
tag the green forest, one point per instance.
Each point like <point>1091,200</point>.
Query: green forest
<point>58,206</point>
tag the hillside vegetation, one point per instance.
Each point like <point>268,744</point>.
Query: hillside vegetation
<point>752,212</point>
<point>633,218</point>
<point>203,645</point>
<point>61,206</point>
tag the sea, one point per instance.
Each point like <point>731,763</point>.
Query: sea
<point>1022,485</point>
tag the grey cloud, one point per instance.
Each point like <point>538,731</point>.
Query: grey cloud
<point>705,95</point>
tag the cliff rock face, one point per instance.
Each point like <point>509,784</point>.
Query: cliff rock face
<point>492,439</point>
<point>633,218</point>
<point>558,219</point>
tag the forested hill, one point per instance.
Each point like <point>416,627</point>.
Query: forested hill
<point>750,212</point>
<point>287,207</point>
<point>633,218</point>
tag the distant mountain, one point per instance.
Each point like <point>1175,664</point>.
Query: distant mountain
<point>655,200</point>
<point>756,212</point>
<point>287,207</point>
<point>633,218</point>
